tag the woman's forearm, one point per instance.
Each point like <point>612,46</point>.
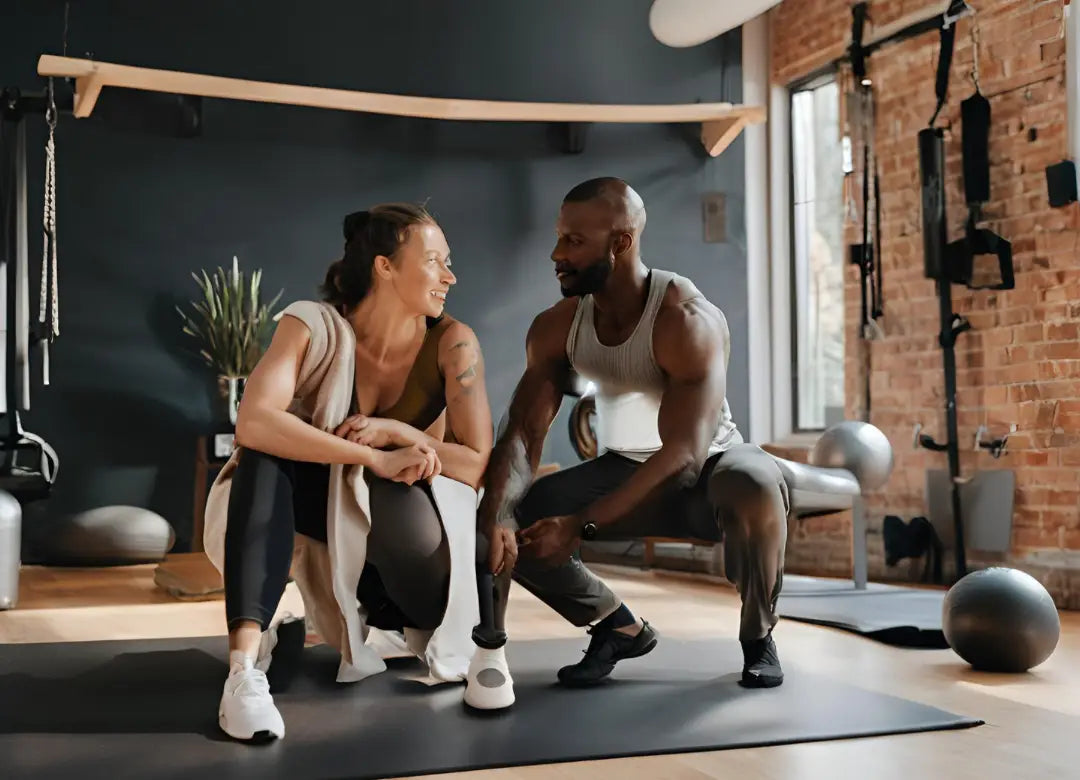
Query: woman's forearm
<point>459,462</point>
<point>285,435</point>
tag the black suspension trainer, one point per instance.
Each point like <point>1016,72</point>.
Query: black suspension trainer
<point>866,255</point>
<point>955,263</point>
<point>960,262</point>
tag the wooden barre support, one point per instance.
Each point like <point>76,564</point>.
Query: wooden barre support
<point>721,122</point>
<point>718,134</point>
<point>87,90</point>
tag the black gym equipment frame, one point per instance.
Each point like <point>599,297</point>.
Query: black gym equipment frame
<point>935,260</point>
<point>945,262</point>
<point>949,263</point>
<point>173,115</point>
<point>26,482</point>
<point>867,254</point>
<point>858,51</point>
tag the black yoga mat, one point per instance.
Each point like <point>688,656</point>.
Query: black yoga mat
<point>148,709</point>
<point>908,617</point>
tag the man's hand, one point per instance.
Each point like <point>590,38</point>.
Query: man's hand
<point>502,550</point>
<point>551,540</point>
<point>378,432</point>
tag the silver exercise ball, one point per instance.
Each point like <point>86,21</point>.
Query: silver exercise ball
<point>110,536</point>
<point>858,447</point>
<point>1000,620</point>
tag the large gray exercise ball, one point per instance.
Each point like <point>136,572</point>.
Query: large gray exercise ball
<point>858,447</point>
<point>109,536</point>
<point>1000,620</point>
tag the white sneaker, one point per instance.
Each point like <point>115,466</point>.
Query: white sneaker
<point>247,709</point>
<point>490,686</point>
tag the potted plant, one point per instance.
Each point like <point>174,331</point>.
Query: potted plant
<point>232,324</point>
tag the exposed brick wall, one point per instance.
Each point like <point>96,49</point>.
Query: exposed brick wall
<point>1021,362</point>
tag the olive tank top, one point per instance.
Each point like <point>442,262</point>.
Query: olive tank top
<point>423,398</point>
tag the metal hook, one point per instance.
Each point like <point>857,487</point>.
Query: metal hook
<point>50,109</point>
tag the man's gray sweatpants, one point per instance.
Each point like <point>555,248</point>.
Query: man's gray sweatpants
<point>740,498</point>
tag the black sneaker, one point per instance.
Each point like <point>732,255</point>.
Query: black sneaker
<point>607,647</point>
<point>761,665</point>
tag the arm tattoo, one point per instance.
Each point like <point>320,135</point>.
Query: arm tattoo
<point>465,359</point>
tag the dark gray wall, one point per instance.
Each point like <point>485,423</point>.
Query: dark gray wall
<point>139,211</point>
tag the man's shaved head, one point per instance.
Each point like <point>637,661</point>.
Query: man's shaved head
<point>599,227</point>
<point>627,207</point>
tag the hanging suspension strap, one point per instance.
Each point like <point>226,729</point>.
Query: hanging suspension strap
<point>975,143</point>
<point>877,308</point>
<point>941,83</point>
<point>865,206</point>
<point>867,254</point>
<point>49,301</point>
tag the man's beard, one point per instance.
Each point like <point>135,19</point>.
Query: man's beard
<point>587,281</point>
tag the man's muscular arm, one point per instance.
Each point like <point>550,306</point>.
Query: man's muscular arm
<point>536,400</point>
<point>691,345</point>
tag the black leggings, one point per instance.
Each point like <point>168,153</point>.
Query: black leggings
<point>271,498</point>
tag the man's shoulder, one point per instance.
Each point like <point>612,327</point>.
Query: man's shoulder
<point>550,328</point>
<point>685,306</point>
<point>558,316</point>
<point>688,325</point>
<point>681,289</point>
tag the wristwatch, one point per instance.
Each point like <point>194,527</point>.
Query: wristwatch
<point>588,530</point>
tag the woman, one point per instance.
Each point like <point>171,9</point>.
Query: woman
<point>361,438</point>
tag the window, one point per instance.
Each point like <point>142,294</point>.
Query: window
<point>818,256</point>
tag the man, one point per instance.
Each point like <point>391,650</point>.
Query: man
<point>671,462</point>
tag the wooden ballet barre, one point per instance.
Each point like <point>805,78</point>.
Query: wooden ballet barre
<point>721,123</point>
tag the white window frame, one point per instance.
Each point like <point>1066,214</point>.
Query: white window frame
<point>768,194</point>
<point>768,244</point>
<point>782,352</point>
<point>756,189</point>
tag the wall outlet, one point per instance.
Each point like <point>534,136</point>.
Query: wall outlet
<point>714,217</point>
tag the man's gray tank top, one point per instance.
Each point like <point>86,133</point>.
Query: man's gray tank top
<point>628,382</point>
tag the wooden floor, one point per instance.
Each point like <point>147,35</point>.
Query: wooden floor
<point>1033,720</point>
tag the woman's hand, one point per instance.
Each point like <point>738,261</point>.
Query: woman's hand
<point>378,432</point>
<point>407,464</point>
